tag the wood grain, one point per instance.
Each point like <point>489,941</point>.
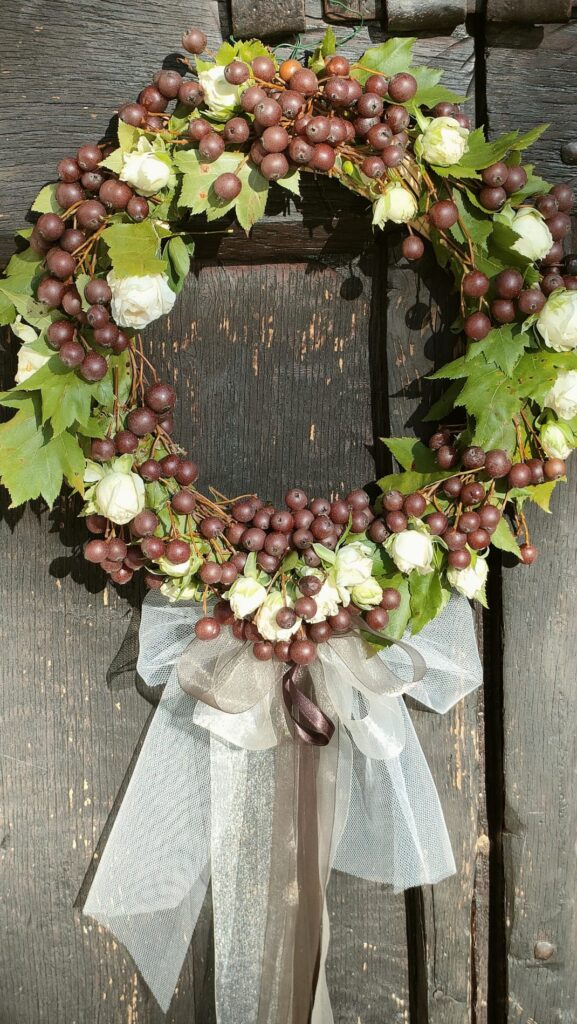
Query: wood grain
<point>448,922</point>
<point>532,74</point>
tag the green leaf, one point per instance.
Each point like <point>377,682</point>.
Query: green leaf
<point>451,371</point>
<point>536,372</point>
<point>528,138</point>
<point>45,201</point>
<point>245,50</point>
<point>540,494</point>
<point>429,91</point>
<point>501,245</point>
<point>290,562</point>
<point>534,186</point>
<point>7,310</point>
<point>250,566</point>
<point>428,598</point>
<point>328,43</point>
<point>325,554</point>
<point>408,482</point>
<point>133,249</point>
<point>503,538</point>
<point>179,259</point>
<point>33,463</point>
<point>128,136</point>
<point>199,177</point>
<point>475,221</point>
<point>93,427</point>
<point>388,58</point>
<point>456,171</point>
<point>481,153</point>
<point>251,200</point>
<point>503,346</point>
<point>115,160</point>
<point>492,399</point>
<point>291,182</point>
<point>81,280</point>
<point>326,47</point>
<point>23,271</point>
<point>399,617</point>
<point>445,404</point>
<point>30,310</point>
<point>411,453</point>
<point>66,398</point>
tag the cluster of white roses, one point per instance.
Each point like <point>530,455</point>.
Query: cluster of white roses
<point>442,142</point>
<point>557,325</point>
<point>350,578</point>
<point>414,551</point>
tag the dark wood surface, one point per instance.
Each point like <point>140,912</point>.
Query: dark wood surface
<point>539,812</point>
<point>293,353</point>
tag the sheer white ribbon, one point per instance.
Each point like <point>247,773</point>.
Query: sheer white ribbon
<point>214,773</point>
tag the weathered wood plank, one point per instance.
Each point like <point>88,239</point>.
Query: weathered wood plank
<point>417,341</point>
<point>450,920</point>
<point>539,701</point>
<point>531,79</point>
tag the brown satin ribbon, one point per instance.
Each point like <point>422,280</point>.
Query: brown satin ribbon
<point>311,725</point>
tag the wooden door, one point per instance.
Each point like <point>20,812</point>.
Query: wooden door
<point>293,352</point>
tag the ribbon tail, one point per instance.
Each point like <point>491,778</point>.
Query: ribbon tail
<point>293,925</point>
<point>152,879</point>
<point>293,986</point>
<point>334,792</point>
<point>307,945</point>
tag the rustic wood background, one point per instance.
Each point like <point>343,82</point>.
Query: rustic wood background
<point>293,353</point>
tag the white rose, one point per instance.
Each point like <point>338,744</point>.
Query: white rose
<point>557,440</point>
<point>413,549</point>
<point>396,204</point>
<point>470,581</point>
<point>266,622</point>
<point>137,301</point>
<point>29,361</point>
<point>245,596</point>
<point>23,331</point>
<point>119,496</point>
<point>366,595</point>
<point>443,142</point>
<point>219,94</point>
<point>353,565</point>
<point>328,601</point>
<point>562,397</point>
<point>144,170</point>
<point>535,239</point>
<point>175,590</point>
<point>174,568</point>
<point>557,322</point>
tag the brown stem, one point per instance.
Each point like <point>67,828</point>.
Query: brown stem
<point>533,433</point>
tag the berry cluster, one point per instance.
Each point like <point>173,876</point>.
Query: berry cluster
<point>506,299</point>
<point>302,649</point>
<point>273,533</point>
<point>293,117</point>
<point>472,509</point>
<point>82,336</point>
<point>225,534</point>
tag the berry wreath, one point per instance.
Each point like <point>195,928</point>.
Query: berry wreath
<point>105,258</point>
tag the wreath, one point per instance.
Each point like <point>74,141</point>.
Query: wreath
<point>220,788</point>
<point>109,253</point>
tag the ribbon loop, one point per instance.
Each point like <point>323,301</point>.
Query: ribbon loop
<point>311,725</point>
